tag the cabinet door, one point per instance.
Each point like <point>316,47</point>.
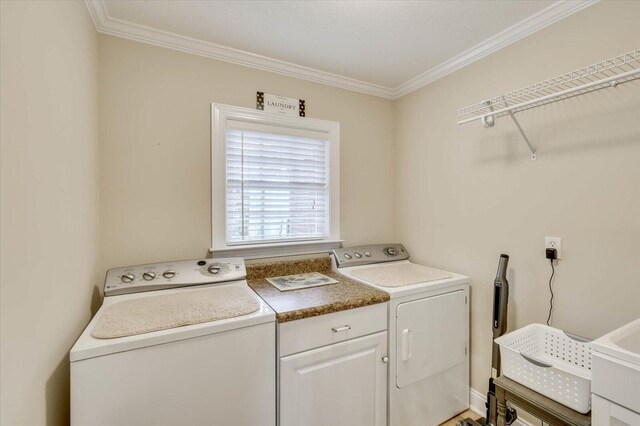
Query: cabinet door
<point>340,384</point>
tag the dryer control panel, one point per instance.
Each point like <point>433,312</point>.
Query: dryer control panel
<point>364,255</point>
<point>160,276</point>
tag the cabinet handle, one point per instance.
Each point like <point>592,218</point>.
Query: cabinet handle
<point>339,329</point>
<point>385,359</point>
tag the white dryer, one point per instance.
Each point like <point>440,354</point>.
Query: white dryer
<point>428,332</point>
<point>189,371</point>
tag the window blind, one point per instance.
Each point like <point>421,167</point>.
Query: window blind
<point>276,186</point>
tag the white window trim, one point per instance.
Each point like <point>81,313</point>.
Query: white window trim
<point>219,247</point>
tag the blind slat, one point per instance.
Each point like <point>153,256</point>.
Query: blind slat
<point>261,173</point>
<point>285,146</point>
<point>253,160</point>
<point>273,218</point>
<point>266,184</point>
<point>275,156</point>
<point>274,225</point>
<point>271,212</point>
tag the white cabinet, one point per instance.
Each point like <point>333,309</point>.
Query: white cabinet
<point>340,384</point>
<point>333,369</point>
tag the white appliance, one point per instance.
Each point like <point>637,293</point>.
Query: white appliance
<point>615,399</point>
<point>428,317</point>
<point>218,372</point>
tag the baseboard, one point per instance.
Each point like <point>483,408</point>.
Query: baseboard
<point>477,403</point>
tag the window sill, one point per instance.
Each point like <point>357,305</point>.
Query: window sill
<point>257,251</point>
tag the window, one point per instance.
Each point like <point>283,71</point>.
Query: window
<point>274,182</point>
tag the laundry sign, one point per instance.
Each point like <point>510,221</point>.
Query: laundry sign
<point>279,104</point>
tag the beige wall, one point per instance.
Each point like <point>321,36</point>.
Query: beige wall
<point>465,194</point>
<point>155,149</point>
<point>49,211</point>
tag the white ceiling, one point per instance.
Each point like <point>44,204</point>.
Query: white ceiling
<point>381,45</point>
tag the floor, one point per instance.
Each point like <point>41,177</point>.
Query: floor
<point>461,416</point>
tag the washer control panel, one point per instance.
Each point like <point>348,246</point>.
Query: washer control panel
<point>160,276</point>
<point>363,255</point>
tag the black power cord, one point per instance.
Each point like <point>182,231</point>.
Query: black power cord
<point>553,271</point>
<point>551,254</point>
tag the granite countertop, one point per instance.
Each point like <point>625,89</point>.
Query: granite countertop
<point>310,302</point>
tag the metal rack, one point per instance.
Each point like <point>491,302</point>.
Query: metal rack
<point>608,73</point>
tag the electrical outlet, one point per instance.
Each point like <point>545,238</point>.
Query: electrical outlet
<point>554,243</point>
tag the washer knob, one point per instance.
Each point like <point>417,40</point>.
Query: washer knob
<point>391,251</point>
<point>213,269</point>
<point>367,253</point>
<point>148,276</point>
<point>127,278</point>
<point>347,256</point>
<point>358,255</point>
<point>169,274</point>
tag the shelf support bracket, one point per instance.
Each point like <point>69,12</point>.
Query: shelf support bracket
<point>524,136</point>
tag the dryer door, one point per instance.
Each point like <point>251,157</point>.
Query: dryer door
<point>431,336</point>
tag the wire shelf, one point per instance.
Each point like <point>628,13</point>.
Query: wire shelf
<point>621,69</point>
<point>608,73</point>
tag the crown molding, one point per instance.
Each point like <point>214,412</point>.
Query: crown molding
<point>528,26</point>
<point>106,24</point>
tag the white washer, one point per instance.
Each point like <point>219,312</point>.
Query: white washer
<point>428,332</point>
<point>218,372</point>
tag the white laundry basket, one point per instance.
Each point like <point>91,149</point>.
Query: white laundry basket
<point>551,362</point>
